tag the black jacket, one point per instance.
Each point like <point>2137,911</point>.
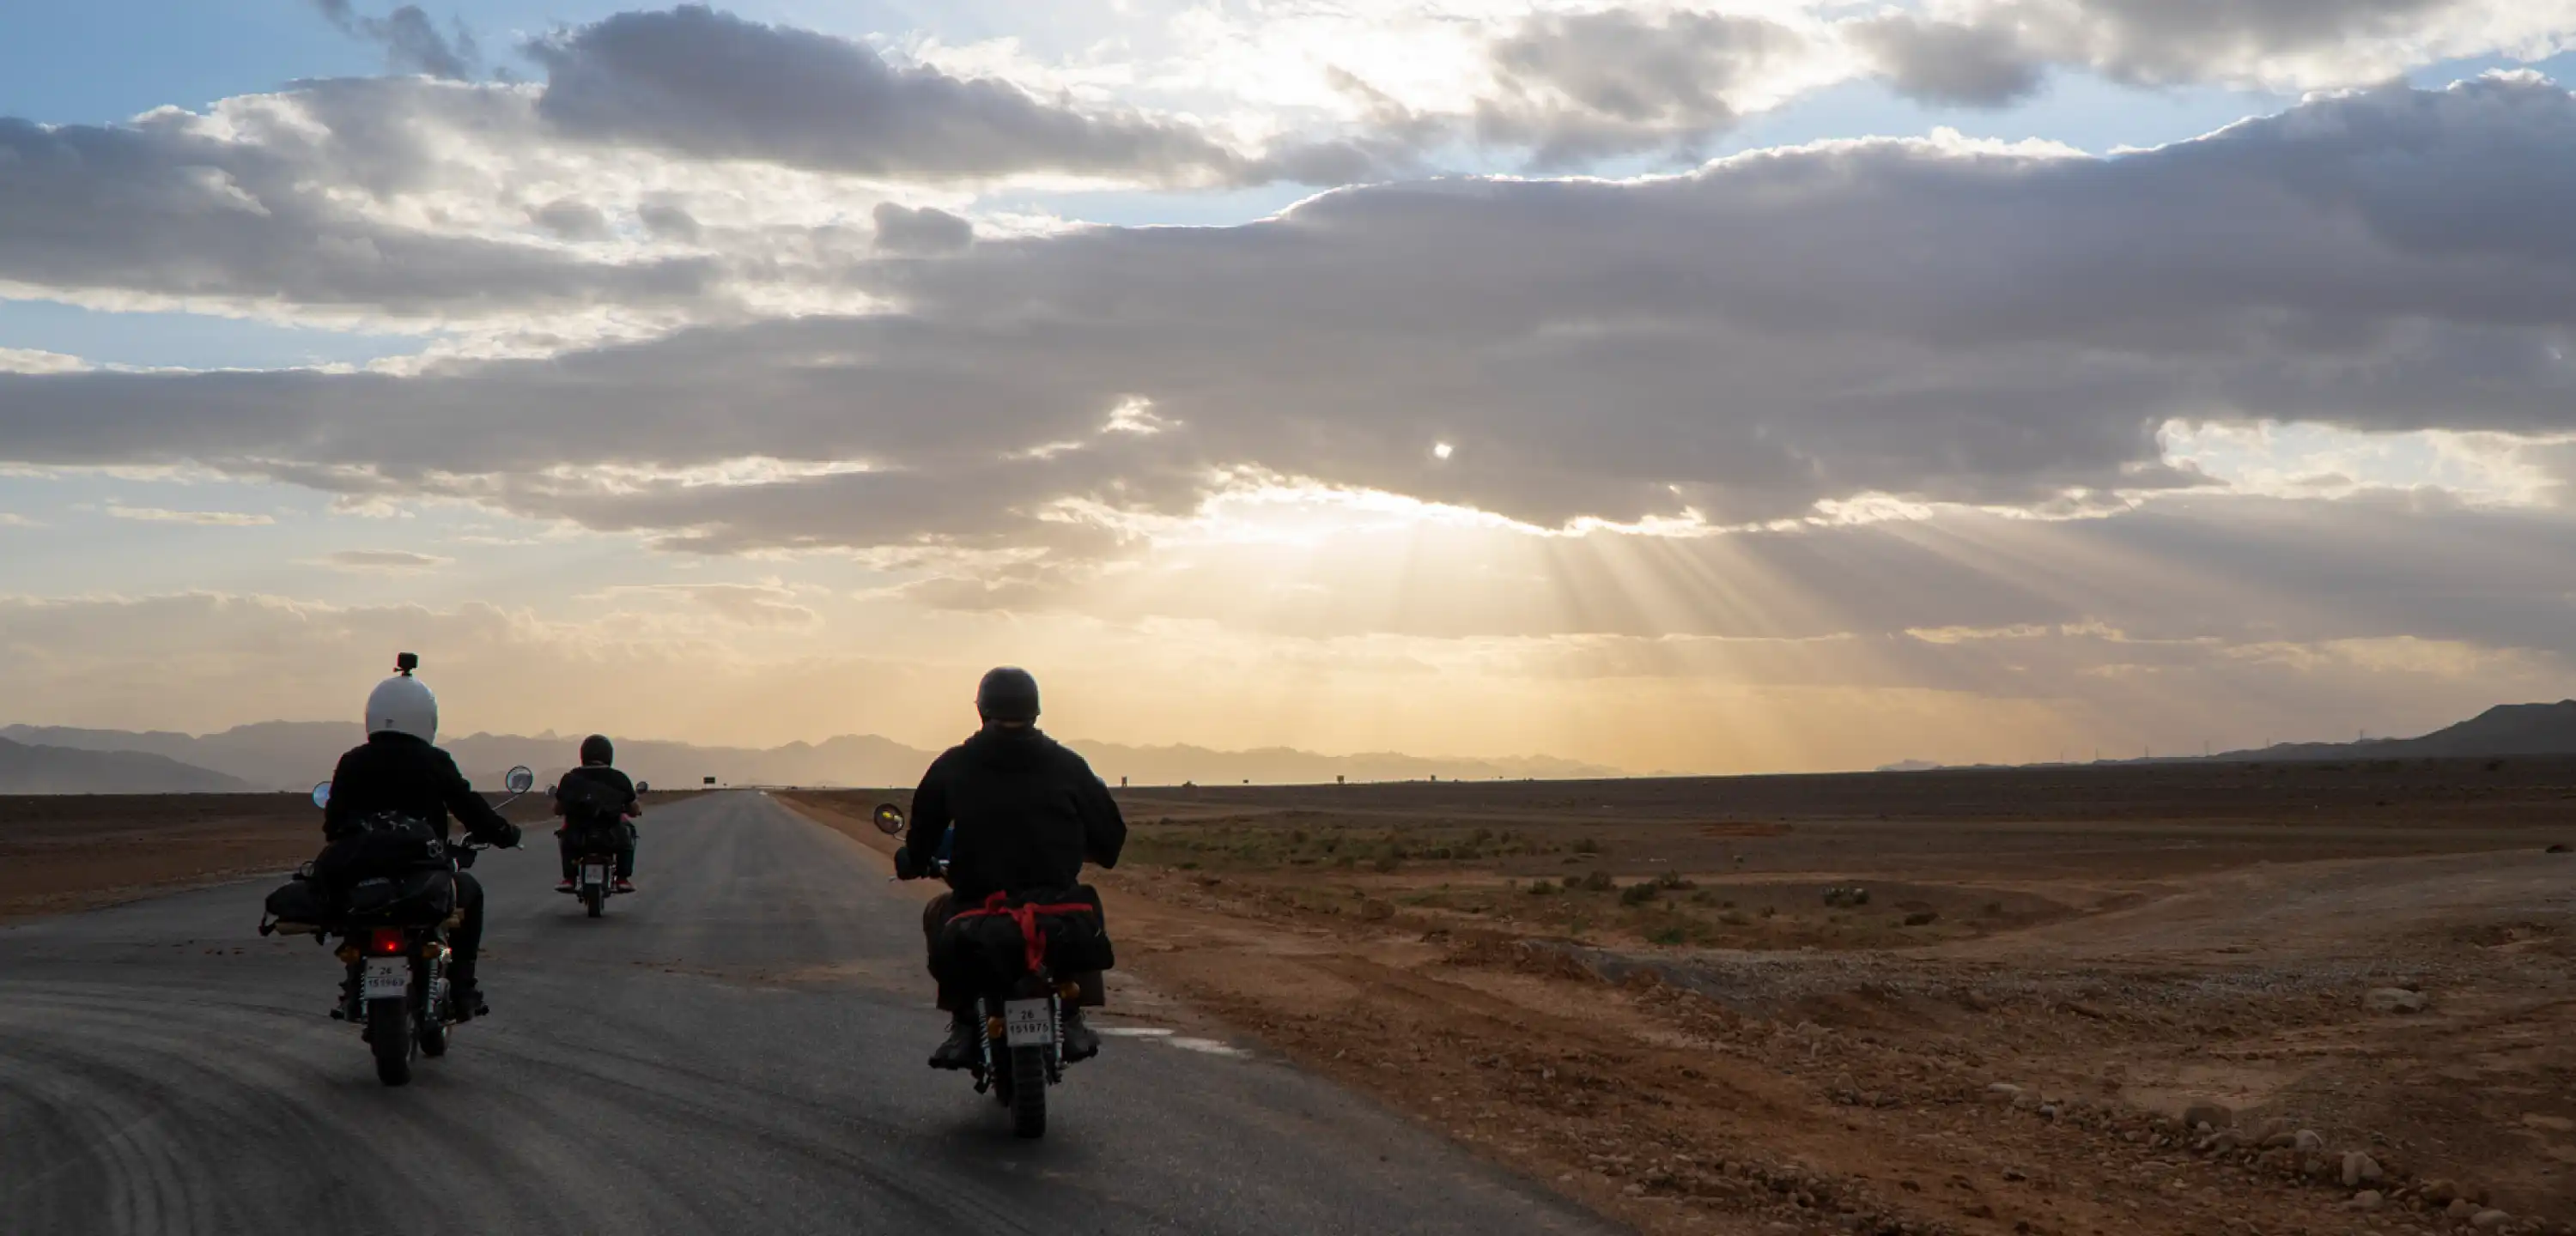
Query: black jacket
<point>1028,814</point>
<point>400,773</point>
<point>607,794</point>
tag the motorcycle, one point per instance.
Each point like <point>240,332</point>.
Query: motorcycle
<point>1021,1004</point>
<point>595,865</point>
<point>593,886</point>
<point>393,943</point>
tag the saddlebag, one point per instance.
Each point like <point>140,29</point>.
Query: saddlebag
<point>412,898</point>
<point>378,846</point>
<point>299,907</point>
<point>988,939</point>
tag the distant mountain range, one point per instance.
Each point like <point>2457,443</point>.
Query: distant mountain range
<point>28,769</point>
<point>2504,730</point>
<point>277,755</point>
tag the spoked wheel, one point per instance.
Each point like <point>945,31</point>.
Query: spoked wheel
<point>1027,1095</point>
<point>389,1034</point>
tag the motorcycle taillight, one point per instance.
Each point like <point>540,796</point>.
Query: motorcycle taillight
<point>386,942</point>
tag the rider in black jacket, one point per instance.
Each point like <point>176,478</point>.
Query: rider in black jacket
<point>1027,814</point>
<point>598,804</point>
<point>397,770</point>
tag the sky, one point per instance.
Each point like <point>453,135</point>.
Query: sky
<point>1790,385</point>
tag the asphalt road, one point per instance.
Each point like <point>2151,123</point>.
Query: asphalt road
<point>737,1048</point>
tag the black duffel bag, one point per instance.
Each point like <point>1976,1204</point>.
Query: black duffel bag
<point>301,903</point>
<point>411,899</point>
<point>377,846</point>
<point>989,937</point>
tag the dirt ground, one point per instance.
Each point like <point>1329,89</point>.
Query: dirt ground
<point>65,852</point>
<point>1954,1002</point>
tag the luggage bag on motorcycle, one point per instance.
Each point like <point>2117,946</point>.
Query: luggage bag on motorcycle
<point>411,899</point>
<point>376,846</point>
<point>989,938</point>
<point>299,904</point>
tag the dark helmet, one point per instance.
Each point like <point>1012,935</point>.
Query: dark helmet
<point>1007,694</point>
<point>596,749</point>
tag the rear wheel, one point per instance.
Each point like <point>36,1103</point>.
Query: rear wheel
<point>433,1028</point>
<point>389,1033</point>
<point>594,899</point>
<point>1028,1091</point>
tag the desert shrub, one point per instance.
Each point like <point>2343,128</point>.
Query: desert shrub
<point>1674,881</point>
<point>1587,846</point>
<point>1637,894</point>
<point>1598,882</point>
<point>1541,888</point>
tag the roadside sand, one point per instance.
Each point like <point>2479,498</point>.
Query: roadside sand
<point>1726,1052</point>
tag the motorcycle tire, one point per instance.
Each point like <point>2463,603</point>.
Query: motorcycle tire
<point>433,1031</point>
<point>389,1035</point>
<point>594,900</point>
<point>1028,1091</point>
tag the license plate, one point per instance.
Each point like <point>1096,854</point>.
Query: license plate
<point>387,979</point>
<point>594,874</point>
<point>1028,1023</point>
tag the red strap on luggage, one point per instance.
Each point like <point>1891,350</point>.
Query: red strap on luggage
<point>1026,917</point>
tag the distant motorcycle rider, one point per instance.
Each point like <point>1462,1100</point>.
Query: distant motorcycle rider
<point>398,772</point>
<point>1018,814</point>
<point>598,805</point>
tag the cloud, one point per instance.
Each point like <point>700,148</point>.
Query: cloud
<point>1989,52</point>
<point>327,199</point>
<point>383,561</point>
<point>1916,322</point>
<point>902,229</point>
<point>1576,87</point>
<point>753,605</point>
<point>1949,62</point>
<point>30,360</point>
<point>204,519</point>
<point>710,85</point>
<point>412,43</point>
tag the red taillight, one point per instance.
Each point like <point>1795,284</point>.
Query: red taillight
<point>385,943</point>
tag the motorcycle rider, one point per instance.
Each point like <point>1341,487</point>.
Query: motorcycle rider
<point>598,803</point>
<point>398,771</point>
<point>1019,814</point>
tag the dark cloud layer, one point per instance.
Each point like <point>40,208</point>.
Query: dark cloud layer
<point>1781,329</point>
<point>710,85</point>
<point>273,208</point>
<point>1950,62</point>
<point>1578,87</point>
<point>1994,53</point>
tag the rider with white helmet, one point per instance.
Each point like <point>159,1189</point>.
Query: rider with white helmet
<point>399,771</point>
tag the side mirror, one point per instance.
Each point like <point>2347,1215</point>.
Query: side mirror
<point>322,794</point>
<point>520,780</point>
<point>889,819</point>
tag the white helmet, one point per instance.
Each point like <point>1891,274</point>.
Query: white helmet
<point>403,704</point>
